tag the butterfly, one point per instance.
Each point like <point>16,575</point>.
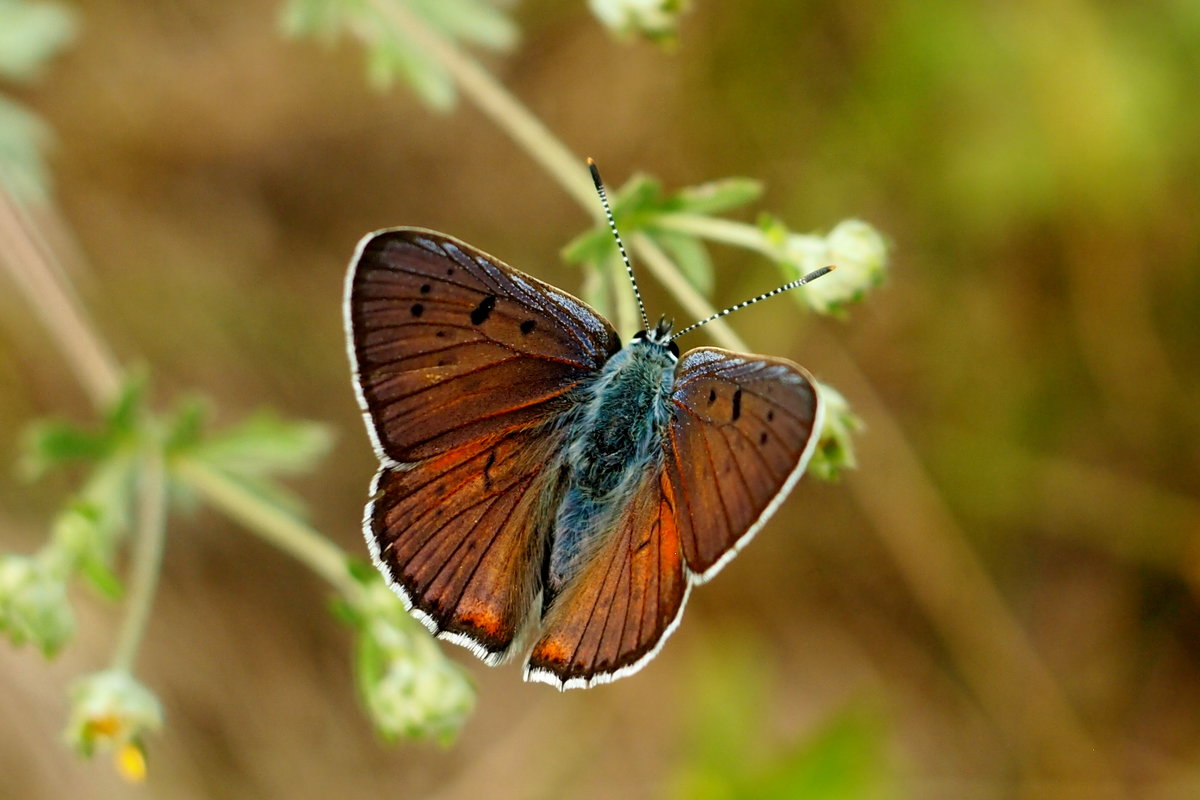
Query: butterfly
<point>539,481</point>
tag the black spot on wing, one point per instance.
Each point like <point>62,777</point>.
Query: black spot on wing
<point>417,309</point>
<point>737,404</point>
<point>483,310</point>
<point>527,326</point>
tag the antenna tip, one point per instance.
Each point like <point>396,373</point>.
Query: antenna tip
<point>595,174</point>
<point>591,162</point>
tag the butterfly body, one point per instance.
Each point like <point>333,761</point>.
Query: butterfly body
<point>525,454</point>
<point>615,443</point>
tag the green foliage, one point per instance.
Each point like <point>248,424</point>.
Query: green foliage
<point>87,531</point>
<point>843,758</point>
<point>253,451</point>
<point>642,206</point>
<point>392,51</point>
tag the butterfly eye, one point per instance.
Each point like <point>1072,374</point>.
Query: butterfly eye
<point>674,348</point>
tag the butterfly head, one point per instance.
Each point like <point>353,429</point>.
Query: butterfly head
<point>659,335</point>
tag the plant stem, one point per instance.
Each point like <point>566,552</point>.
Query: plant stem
<point>272,524</point>
<point>42,281</point>
<point>147,556</point>
<point>490,96</point>
<point>716,229</point>
<point>668,274</point>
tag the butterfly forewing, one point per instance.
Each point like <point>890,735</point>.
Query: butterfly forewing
<point>620,608</point>
<point>449,344</point>
<point>744,427</point>
<point>464,368</point>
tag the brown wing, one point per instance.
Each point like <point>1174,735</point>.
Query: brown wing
<point>615,615</point>
<point>744,429</point>
<point>460,536</point>
<point>462,367</point>
<point>448,344</point>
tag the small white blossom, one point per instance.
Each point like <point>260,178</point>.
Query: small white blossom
<point>410,689</point>
<point>654,19</point>
<point>855,248</point>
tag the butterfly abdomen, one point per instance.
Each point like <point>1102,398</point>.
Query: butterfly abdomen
<point>617,435</point>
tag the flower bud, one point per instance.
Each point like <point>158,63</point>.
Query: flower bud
<point>835,445</point>
<point>410,689</point>
<point>657,20</point>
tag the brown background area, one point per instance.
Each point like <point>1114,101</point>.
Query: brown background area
<point>1036,167</point>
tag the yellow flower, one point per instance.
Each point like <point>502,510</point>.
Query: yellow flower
<point>112,710</point>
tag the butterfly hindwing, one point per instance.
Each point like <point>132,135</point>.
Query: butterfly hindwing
<point>461,536</point>
<point>744,428</point>
<point>464,366</point>
<point>619,609</point>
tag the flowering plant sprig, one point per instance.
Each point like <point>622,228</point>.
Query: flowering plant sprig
<point>392,53</point>
<point>406,684</point>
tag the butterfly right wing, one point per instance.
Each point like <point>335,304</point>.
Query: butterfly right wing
<point>464,368</point>
<point>744,429</point>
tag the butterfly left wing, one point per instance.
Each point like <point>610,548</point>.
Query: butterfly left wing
<point>463,368</point>
<point>614,616</point>
<point>744,429</point>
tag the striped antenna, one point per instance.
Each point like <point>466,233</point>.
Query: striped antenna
<point>812,276</point>
<point>612,224</point>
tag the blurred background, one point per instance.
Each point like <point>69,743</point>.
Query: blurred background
<point>1028,378</point>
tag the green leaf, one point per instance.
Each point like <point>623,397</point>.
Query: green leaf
<point>469,20</point>
<point>589,247</point>
<point>718,196</point>
<point>50,443</point>
<point>102,578</point>
<point>641,195</point>
<point>186,425</point>
<point>321,18</point>
<point>773,228</point>
<point>393,55</point>
<point>691,256</point>
<point>392,52</point>
<point>264,444</point>
<point>30,34</point>
<point>127,412</point>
